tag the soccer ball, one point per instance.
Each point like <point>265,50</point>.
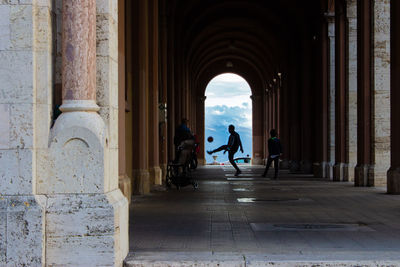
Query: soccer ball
<point>210,139</point>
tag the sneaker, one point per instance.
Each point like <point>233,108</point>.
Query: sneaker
<point>238,172</point>
<point>209,152</point>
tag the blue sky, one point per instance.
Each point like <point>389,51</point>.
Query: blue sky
<point>228,102</point>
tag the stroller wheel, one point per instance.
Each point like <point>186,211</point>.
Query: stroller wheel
<point>178,187</point>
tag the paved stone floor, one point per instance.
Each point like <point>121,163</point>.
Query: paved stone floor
<point>296,220</point>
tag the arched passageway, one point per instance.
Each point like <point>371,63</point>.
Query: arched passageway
<point>123,74</point>
<point>228,102</point>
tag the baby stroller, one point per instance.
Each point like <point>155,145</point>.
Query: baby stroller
<point>178,171</point>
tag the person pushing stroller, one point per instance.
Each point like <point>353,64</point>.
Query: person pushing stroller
<point>232,147</point>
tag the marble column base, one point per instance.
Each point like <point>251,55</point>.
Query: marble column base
<point>362,174</point>
<point>87,229</point>
<point>351,172</point>
<point>257,161</point>
<point>163,168</point>
<point>22,230</point>
<point>320,169</point>
<point>329,170</point>
<point>155,175</point>
<point>393,181</point>
<point>141,181</point>
<point>340,171</point>
<point>125,185</point>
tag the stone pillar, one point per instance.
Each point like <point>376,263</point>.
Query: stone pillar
<point>154,160</point>
<point>141,175</point>
<point>321,109</point>
<point>374,94</point>
<point>124,180</point>
<point>351,96</point>
<point>163,91</point>
<point>257,158</point>
<point>331,117</point>
<point>76,171</point>
<point>26,79</point>
<point>381,92</point>
<point>340,168</point>
<point>364,159</point>
<point>393,174</point>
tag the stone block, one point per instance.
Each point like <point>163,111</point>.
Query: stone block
<point>14,87</point>
<point>43,28</point>
<point>42,127</point>
<point>78,215</point>
<point>44,77</point>
<point>21,126</point>
<point>5,34</point>
<point>87,229</point>
<point>21,25</point>
<point>4,126</point>
<point>16,171</point>
<point>113,181</point>
<point>25,228</point>
<point>107,82</point>
<point>77,160</point>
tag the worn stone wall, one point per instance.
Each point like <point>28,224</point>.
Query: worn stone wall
<point>352,88</point>
<point>25,112</point>
<point>381,93</point>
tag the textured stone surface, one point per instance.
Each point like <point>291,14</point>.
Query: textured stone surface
<point>352,88</point>
<point>21,229</point>
<point>87,229</point>
<point>331,103</point>
<point>77,160</point>
<point>4,126</point>
<point>381,112</point>
<point>78,46</point>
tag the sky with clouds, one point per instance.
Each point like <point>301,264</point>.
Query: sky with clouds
<point>228,102</point>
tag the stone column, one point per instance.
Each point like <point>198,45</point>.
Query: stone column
<point>75,172</point>
<point>364,159</point>
<point>141,175</point>
<point>154,160</point>
<point>331,114</point>
<point>393,175</point>
<point>163,91</point>
<point>340,168</point>
<point>351,96</point>
<point>381,92</point>
<point>321,109</point>
<point>258,150</point>
<point>124,180</point>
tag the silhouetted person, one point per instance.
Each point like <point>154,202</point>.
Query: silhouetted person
<point>232,147</point>
<point>275,151</point>
<point>182,133</point>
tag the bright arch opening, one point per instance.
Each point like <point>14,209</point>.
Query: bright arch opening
<point>227,102</point>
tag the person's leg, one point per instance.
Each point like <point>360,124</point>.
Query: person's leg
<point>276,165</point>
<point>269,161</point>
<point>223,147</point>
<point>230,157</point>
